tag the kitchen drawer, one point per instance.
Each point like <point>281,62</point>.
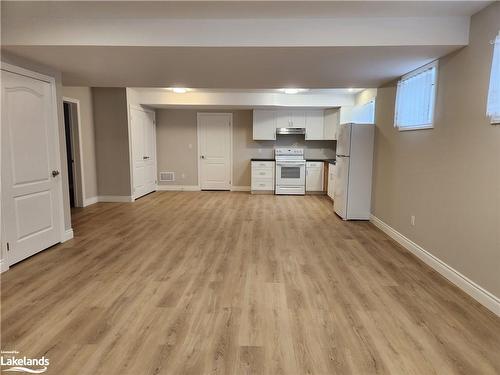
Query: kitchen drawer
<point>267,173</point>
<point>262,184</point>
<point>262,164</point>
<point>314,164</point>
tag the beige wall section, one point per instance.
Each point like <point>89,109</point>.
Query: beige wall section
<point>111,141</point>
<point>176,129</point>
<point>21,62</point>
<point>365,96</point>
<point>87,137</point>
<point>449,176</point>
<point>176,145</point>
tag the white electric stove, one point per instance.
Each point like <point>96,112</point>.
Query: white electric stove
<point>290,171</point>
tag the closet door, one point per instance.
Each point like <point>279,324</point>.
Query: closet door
<point>143,142</point>
<point>31,179</point>
<point>150,151</point>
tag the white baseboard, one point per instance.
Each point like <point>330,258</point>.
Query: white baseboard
<point>240,188</point>
<point>3,265</point>
<point>480,294</point>
<point>178,188</point>
<point>67,235</point>
<point>115,198</point>
<point>89,201</point>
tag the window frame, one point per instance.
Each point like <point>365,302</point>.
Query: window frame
<point>432,65</point>
<point>494,120</point>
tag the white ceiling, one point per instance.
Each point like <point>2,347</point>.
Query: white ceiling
<point>238,99</point>
<point>241,9</point>
<point>235,44</point>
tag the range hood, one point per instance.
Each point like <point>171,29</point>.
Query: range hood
<point>290,131</point>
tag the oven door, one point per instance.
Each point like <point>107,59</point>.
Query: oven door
<point>290,173</point>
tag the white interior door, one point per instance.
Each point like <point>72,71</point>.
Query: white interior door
<point>214,139</point>
<point>31,182</point>
<point>150,150</point>
<point>143,132</point>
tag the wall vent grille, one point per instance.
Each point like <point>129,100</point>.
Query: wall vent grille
<point>167,176</point>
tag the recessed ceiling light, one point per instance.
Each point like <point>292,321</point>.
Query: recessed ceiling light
<point>292,90</point>
<point>179,90</point>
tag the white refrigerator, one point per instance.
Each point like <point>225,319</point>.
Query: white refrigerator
<point>353,183</point>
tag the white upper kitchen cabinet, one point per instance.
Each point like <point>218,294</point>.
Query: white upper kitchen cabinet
<point>264,124</point>
<point>290,118</point>
<point>283,119</point>
<point>298,118</point>
<point>331,123</point>
<point>315,127</point>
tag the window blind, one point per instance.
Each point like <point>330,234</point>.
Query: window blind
<point>415,99</point>
<point>364,114</point>
<point>493,109</point>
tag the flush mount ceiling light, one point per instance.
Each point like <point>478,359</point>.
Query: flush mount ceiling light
<point>179,90</point>
<point>292,90</point>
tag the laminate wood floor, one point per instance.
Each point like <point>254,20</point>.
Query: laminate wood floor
<point>231,283</point>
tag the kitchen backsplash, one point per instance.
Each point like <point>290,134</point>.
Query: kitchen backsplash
<point>312,149</point>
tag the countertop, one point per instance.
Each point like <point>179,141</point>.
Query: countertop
<point>331,161</point>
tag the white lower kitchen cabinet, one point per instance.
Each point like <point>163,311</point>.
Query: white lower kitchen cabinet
<point>314,176</point>
<point>263,176</point>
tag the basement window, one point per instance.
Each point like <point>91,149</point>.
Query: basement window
<point>493,110</point>
<point>416,98</point>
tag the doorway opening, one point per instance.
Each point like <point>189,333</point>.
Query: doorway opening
<point>73,152</point>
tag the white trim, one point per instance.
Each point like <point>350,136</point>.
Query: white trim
<point>419,127</point>
<point>68,235</point>
<point>27,73</point>
<point>230,115</point>
<point>89,201</point>
<point>480,294</point>
<point>80,200</point>
<point>240,188</point>
<point>115,198</point>
<point>178,188</point>
<point>4,266</point>
<point>108,198</point>
<point>432,65</point>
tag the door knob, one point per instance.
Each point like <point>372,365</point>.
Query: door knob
<point>203,156</point>
<point>55,173</point>
<point>145,157</point>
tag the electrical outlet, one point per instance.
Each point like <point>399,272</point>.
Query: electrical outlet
<point>412,220</point>
<point>190,145</point>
